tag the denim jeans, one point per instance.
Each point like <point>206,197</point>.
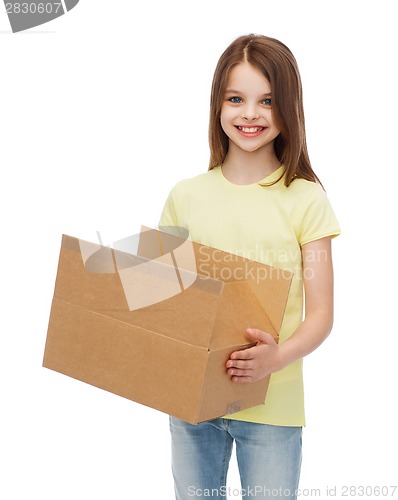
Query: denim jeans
<point>268,456</point>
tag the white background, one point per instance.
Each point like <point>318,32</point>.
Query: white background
<point>102,111</point>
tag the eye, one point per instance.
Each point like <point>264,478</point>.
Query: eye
<point>235,100</point>
<point>266,102</point>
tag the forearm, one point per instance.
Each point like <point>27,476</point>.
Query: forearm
<point>319,303</point>
<point>250,365</point>
<point>308,336</point>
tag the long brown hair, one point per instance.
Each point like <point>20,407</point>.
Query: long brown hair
<point>278,65</point>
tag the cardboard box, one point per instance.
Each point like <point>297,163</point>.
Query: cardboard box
<point>157,323</point>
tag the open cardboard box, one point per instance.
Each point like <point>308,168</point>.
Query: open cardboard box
<point>157,321</point>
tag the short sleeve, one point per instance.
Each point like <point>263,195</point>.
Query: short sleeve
<point>169,214</point>
<point>170,220</point>
<point>318,219</point>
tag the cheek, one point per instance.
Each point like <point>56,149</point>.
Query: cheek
<point>227,115</point>
<point>272,121</point>
<point>270,117</point>
<point>223,120</point>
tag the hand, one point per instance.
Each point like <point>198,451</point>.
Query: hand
<point>254,363</point>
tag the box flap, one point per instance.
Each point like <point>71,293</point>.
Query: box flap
<point>98,279</point>
<point>239,309</point>
<point>254,294</point>
<point>174,287</point>
<point>272,294</point>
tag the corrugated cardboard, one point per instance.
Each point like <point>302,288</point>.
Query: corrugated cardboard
<point>157,324</point>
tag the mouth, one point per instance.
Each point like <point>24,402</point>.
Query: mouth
<point>249,131</point>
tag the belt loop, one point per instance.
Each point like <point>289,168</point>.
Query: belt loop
<point>226,422</point>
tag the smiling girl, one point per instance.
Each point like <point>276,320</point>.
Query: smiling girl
<point>260,199</point>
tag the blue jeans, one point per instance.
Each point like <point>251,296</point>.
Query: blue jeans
<point>268,456</point>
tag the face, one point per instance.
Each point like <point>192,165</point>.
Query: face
<point>246,113</point>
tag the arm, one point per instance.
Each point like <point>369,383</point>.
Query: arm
<point>253,364</point>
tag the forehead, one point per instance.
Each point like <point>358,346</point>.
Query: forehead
<point>246,77</point>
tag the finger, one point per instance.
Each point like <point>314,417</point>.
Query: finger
<point>239,364</point>
<point>243,354</point>
<point>260,336</point>
<point>241,380</point>
<point>234,372</point>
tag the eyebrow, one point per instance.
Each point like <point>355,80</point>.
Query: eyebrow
<point>233,91</point>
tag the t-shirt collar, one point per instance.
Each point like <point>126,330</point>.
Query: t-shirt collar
<point>274,176</point>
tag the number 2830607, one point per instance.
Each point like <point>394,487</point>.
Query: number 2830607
<point>33,8</point>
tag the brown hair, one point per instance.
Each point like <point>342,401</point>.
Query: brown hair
<point>278,65</point>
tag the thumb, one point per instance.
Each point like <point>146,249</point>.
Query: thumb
<point>260,336</point>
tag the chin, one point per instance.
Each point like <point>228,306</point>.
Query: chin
<point>250,150</point>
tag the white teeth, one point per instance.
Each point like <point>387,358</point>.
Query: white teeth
<point>250,129</point>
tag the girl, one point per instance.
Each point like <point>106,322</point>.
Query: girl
<point>260,199</point>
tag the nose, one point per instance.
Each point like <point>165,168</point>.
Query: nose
<point>250,112</point>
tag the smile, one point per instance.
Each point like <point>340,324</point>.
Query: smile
<point>249,131</point>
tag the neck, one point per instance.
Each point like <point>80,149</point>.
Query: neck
<point>244,167</point>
